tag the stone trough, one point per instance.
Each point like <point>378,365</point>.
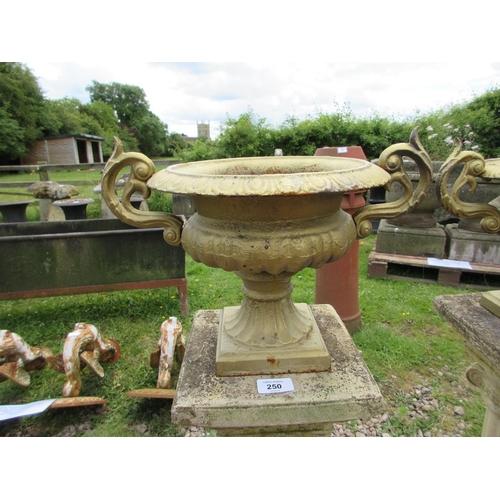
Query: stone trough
<point>41,259</point>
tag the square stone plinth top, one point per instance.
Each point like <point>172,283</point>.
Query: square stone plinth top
<point>479,327</point>
<point>202,399</point>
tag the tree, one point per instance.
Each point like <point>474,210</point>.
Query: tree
<point>128,101</point>
<point>132,111</point>
<point>200,150</point>
<point>151,135</point>
<point>21,110</point>
<point>484,120</point>
<point>175,144</point>
<point>247,135</point>
<point>12,144</point>
<point>70,116</point>
<point>104,115</point>
<point>63,117</point>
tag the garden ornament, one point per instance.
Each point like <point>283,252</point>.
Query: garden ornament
<point>473,166</point>
<point>172,343</point>
<point>267,218</point>
<point>86,344</point>
<point>17,358</point>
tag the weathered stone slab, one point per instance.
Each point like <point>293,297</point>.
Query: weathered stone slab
<point>52,190</point>
<point>480,327</point>
<point>472,246</point>
<point>234,406</point>
<point>422,242</point>
<point>481,331</point>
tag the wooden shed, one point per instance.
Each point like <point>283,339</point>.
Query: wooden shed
<point>66,150</point>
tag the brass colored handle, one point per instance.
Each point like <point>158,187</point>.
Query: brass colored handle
<point>142,169</point>
<point>474,167</point>
<point>391,160</point>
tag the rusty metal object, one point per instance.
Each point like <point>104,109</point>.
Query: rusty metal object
<point>75,402</point>
<point>150,393</point>
<point>474,166</point>
<point>17,358</point>
<point>148,262</point>
<point>172,344</point>
<point>85,344</point>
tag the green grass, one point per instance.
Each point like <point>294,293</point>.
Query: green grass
<point>403,342</point>
<point>157,200</point>
<point>92,177</point>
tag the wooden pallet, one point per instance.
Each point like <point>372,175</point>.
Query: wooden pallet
<point>413,268</point>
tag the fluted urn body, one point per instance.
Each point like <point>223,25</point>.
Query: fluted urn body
<point>265,219</point>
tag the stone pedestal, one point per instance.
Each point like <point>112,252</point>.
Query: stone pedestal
<point>47,192</point>
<point>233,407</point>
<point>74,208</point>
<point>49,212</point>
<point>401,240</point>
<point>14,211</point>
<point>472,246</point>
<point>481,331</point>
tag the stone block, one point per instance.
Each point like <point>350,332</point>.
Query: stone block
<point>233,406</point>
<point>422,242</point>
<point>472,246</point>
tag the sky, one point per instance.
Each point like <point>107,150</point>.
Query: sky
<point>287,47</point>
<point>184,93</point>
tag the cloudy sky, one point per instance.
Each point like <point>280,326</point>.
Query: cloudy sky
<point>182,93</point>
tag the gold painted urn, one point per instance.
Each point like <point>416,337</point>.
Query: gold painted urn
<point>473,167</point>
<point>267,218</point>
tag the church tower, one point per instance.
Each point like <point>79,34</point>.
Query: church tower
<point>203,130</point>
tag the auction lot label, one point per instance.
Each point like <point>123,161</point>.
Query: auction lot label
<point>274,385</point>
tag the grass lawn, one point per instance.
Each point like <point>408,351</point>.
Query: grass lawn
<point>84,180</point>
<point>403,342</point>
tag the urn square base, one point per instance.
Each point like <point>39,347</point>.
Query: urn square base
<point>236,359</point>
<point>233,406</point>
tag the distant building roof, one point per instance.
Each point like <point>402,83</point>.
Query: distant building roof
<point>82,136</point>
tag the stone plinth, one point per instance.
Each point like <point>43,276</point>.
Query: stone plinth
<point>74,208</point>
<point>481,331</point>
<point>14,211</point>
<point>233,406</point>
<point>401,240</point>
<point>472,246</point>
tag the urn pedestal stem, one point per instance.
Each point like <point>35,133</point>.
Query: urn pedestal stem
<point>268,333</point>
<point>267,317</point>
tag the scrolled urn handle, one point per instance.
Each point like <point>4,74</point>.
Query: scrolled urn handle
<point>142,169</point>
<point>474,166</point>
<point>391,160</point>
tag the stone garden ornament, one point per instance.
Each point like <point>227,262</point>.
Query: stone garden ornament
<point>265,219</point>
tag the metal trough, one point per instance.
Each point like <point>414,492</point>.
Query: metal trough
<point>42,259</point>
